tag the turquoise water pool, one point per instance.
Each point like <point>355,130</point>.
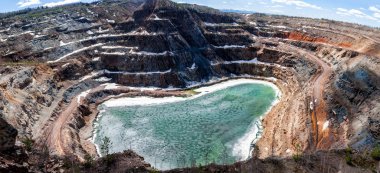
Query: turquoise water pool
<point>212,128</point>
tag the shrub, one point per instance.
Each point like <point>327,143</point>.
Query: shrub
<point>348,157</point>
<point>375,154</point>
<point>89,160</point>
<point>109,159</point>
<point>296,157</point>
<point>28,143</point>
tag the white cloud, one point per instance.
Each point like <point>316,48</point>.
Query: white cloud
<point>298,3</point>
<point>354,13</point>
<point>376,12</point>
<point>262,2</point>
<point>255,2</point>
<point>25,3</point>
<point>377,15</point>
<point>374,9</point>
<point>276,6</point>
<point>53,4</point>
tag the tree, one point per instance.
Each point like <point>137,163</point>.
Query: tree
<point>105,145</point>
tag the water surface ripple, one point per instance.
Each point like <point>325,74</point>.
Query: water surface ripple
<point>213,128</point>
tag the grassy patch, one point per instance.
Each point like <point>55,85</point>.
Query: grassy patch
<point>21,63</point>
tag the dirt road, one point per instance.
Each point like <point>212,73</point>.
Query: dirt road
<point>54,137</point>
<point>319,113</point>
<point>322,79</point>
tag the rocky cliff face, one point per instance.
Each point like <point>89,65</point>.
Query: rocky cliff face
<point>8,135</point>
<point>56,64</point>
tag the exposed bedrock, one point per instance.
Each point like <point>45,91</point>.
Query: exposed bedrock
<point>355,99</point>
<point>26,93</point>
<point>8,135</point>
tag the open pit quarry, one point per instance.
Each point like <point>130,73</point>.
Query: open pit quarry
<point>57,65</point>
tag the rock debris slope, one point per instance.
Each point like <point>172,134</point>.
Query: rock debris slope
<point>58,64</point>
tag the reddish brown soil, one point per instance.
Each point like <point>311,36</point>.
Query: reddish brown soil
<point>304,37</point>
<point>298,36</point>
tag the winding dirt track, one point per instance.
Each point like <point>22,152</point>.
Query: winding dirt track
<point>322,79</point>
<point>54,138</point>
<point>319,113</point>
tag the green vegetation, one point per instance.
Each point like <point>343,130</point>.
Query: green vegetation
<point>185,6</point>
<point>41,12</point>
<point>375,154</point>
<point>297,156</point>
<point>153,170</point>
<point>348,156</point>
<point>105,147</point>
<point>89,161</point>
<point>21,63</point>
<point>361,159</point>
<point>32,12</point>
<point>28,143</point>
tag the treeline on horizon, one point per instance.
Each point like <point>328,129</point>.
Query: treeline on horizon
<point>43,8</point>
<point>35,9</point>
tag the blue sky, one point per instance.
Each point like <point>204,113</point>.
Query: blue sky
<point>365,12</point>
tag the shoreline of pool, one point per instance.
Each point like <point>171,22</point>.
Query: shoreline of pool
<point>252,135</point>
